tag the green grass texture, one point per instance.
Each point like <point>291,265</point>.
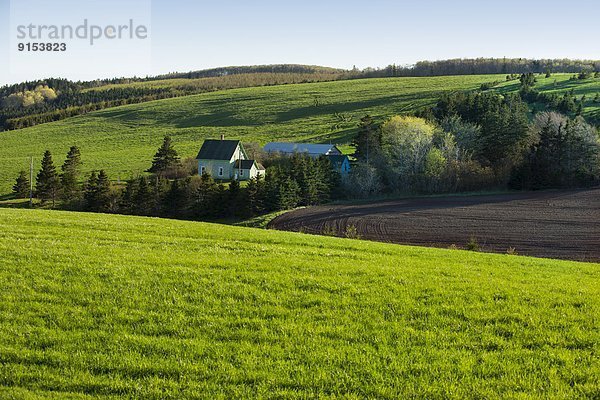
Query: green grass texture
<point>100,306</point>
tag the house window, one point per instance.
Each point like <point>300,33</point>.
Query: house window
<point>202,170</point>
<point>220,171</point>
<point>241,172</point>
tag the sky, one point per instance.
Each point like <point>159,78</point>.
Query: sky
<point>189,35</point>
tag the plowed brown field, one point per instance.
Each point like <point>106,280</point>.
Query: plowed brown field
<point>557,224</point>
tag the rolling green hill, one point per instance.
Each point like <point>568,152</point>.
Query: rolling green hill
<point>99,306</point>
<point>122,140</point>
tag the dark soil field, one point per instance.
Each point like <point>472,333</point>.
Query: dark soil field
<point>556,224</point>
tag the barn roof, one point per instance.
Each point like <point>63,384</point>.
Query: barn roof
<point>217,149</point>
<point>283,147</point>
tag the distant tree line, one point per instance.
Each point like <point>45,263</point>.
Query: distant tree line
<point>483,66</point>
<point>76,98</point>
<point>255,69</point>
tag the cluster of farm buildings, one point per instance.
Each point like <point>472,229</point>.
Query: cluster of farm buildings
<point>227,160</point>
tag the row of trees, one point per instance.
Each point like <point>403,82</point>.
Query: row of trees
<point>483,66</point>
<point>411,155</point>
<point>52,185</point>
<point>289,182</point>
<point>561,152</point>
<point>474,141</point>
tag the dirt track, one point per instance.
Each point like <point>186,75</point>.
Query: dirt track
<point>555,224</point>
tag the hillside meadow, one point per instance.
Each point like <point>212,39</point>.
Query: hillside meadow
<point>99,306</point>
<point>123,140</point>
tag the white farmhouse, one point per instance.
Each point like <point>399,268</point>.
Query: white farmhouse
<point>227,160</point>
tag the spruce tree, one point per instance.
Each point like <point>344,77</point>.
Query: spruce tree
<point>70,175</point>
<point>159,187</point>
<point>166,157</point>
<point>47,183</point>
<point>219,206</point>
<point>328,182</point>
<point>22,186</point>
<point>289,194</point>
<point>234,202</point>
<point>127,204</point>
<point>527,80</point>
<point>143,197</point>
<point>367,141</point>
<point>255,194</point>
<point>273,180</point>
<point>103,198</point>
<point>174,201</point>
<point>205,196</point>
<point>90,192</point>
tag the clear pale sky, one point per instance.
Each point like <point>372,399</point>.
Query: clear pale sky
<point>190,35</point>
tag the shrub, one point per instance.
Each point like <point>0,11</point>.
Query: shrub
<point>473,244</point>
<point>329,230</point>
<point>351,232</point>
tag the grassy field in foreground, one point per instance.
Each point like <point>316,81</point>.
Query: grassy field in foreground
<point>123,140</point>
<point>97,306</point>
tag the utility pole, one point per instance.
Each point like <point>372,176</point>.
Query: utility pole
<point>31,182</point>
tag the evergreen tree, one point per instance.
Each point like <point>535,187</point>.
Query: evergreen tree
<point>528,80</point>
<point>47,183</point>
<point>97,194</point>
<point>206,196</point>
<point>329,181</point>
<point>256,192</point>
<point>174,202</point>
<point>158,188</point>
<point>143,197</point>
<point>70,175</point>
<point>127,204</point>
<point>22,186</point>
<point>103,192</point>
<point>289,194</point>
<point>273,180</point>
<point>166,157</point>
<point>234,199</point>
<point>220,202</point>
<point>90,192</point>
<point>367,141</point>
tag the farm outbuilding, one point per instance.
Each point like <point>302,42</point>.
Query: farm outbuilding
<point>340,162</point>
<point>313,150</point>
